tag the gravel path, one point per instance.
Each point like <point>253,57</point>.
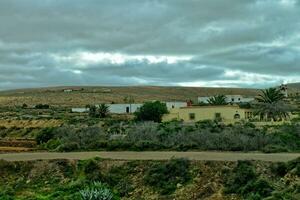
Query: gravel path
<point>151,155</point>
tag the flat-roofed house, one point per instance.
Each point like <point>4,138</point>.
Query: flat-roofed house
<point>227,114</point>
<point>123,108</point>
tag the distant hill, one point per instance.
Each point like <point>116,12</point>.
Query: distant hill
<point>81,96</point>
<point>294,85</point>
<point>294,88</point>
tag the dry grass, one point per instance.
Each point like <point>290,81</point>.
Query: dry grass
<point>82,96</point>
<point>14,149</point>
<point>30,123</point>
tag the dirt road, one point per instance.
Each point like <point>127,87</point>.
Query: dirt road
<point>151,155</point>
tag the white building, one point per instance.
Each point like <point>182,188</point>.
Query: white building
<point>123,108</point>
<point>176,104</point>
<point>229,99</point>
<point>80,110</point>
<point>68,90</point>
<point>130,108</point>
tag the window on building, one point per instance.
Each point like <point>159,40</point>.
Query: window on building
<point>232,99</point>
<point>192,116</point>
<point>127,109</point>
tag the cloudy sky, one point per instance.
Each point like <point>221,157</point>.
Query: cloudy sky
<point>228,43</point>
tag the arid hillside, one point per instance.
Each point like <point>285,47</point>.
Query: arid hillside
<point>294,86</point>
<point>154,180</point>
<point>81,96</point>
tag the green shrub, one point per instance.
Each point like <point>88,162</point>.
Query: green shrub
<point>294,166</point>
<point>260,187</point>
<point>118,177</point>
<point>69,146</point>
<point>91,169</point>
<point>52,144</point>
<point>244,181</point>
<point>151,111</point>
<point>44,135</point>
<point>274,149</point>
<point>6,193</point>
<point>164,177</point>
<point>280,169</point>
<point>242,174</point>
<point>86,138</point>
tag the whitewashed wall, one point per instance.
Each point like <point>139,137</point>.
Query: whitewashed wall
<point>123,108</point>
<point>130,108</point>
<point>80,110</point>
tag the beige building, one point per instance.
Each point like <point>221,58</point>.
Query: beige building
<point>226,114</point>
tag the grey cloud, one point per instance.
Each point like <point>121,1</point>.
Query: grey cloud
<point>220,35</point>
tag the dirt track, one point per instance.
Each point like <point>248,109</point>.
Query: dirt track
<point>126,155</point>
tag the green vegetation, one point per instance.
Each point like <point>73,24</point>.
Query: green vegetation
<point>44,135</point>
<point>245,181</point>
<point>165,177</point>
<point>151,111</point>
<point>173,179</point>
<point>101,111</point>
<point>205,135</point>
<point>217,100</point>
<point>270,105</point>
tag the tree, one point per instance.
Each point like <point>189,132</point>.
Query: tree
<point>271,95</point>
<point>102,111</point>
<point>271,105</point>
<point>217,100</point>
<point>151,111</point>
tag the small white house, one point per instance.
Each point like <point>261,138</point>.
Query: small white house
<point>68,90</point>
<point>80,110</point>
<point>123,108</point>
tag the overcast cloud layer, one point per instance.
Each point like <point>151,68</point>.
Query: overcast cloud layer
<point>228,43</point>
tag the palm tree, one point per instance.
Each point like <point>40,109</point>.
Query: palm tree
<point>271,105</point>
<point>271,95</point>
<point>217,100</point>
<point>103,110</point>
